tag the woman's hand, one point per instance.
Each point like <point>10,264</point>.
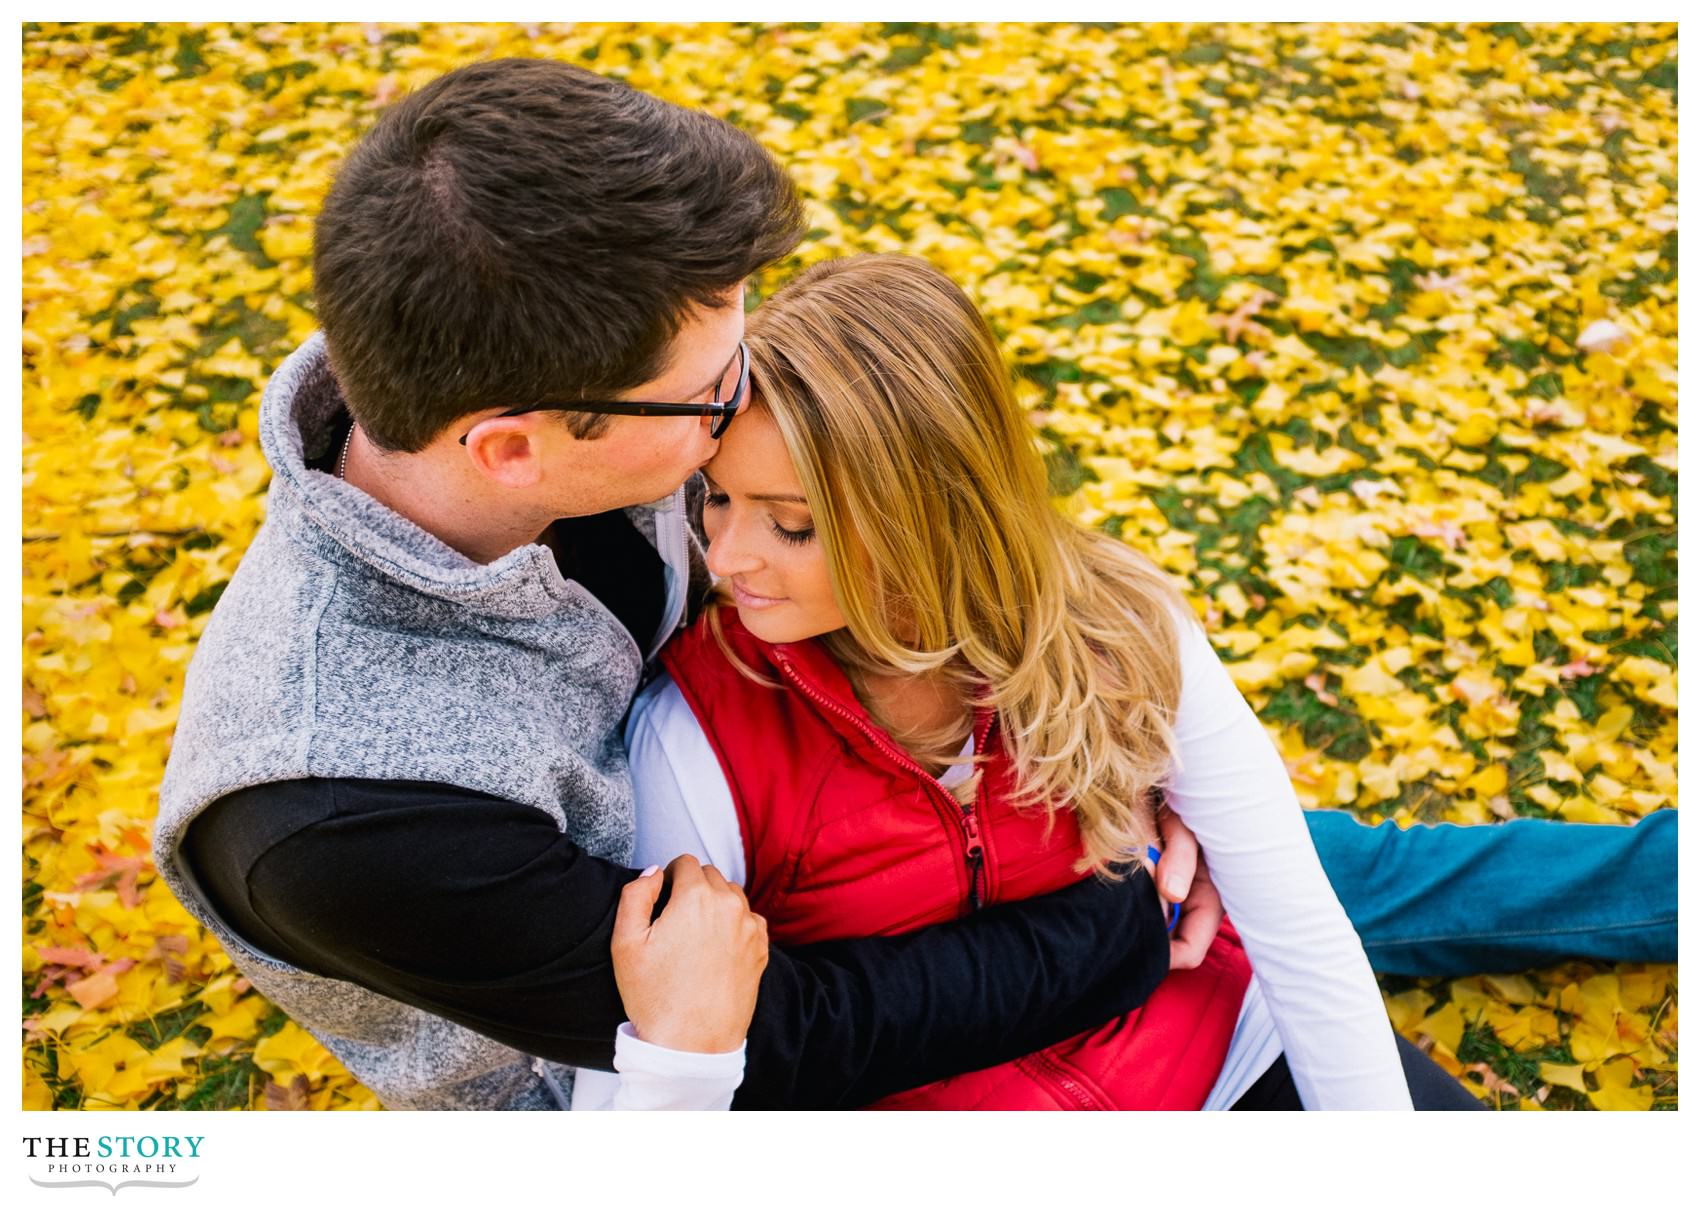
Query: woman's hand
<point>1184,879</point>
<point>688,977</point>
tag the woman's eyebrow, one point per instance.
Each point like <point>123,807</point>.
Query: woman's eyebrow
<point>778,498</point>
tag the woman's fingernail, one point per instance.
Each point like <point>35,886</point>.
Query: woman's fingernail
<point>1174,891</point>
<point>649,871</point>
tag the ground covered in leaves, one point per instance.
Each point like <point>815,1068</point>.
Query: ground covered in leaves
<point>1367,333</point>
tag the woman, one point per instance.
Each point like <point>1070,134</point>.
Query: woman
<point>929,690</point>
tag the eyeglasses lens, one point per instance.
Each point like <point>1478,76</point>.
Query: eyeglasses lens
<point>733,390</point>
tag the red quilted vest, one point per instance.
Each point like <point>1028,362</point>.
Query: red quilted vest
<point>846,836</point>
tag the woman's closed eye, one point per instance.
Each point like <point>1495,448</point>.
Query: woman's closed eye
<point>798,536</point>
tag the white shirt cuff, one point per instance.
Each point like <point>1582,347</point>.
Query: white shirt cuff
<point>653,1078</point>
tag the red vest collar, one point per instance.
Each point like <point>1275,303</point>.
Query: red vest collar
<point>806,665</point>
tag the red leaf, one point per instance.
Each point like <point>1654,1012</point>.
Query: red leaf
<point>120,869</point>
<point>1318,685</point>
<point>49,977</point>
<point>100,987</point>
<point>74,957</point>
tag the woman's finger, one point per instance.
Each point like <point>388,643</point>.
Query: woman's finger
<point>637,905</point>
<point>686,873</point>
<point>1201,918</point>
<point>1179,864</point>
<point>1190,942</point>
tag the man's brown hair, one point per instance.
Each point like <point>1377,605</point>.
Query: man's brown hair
<point>523,230</point>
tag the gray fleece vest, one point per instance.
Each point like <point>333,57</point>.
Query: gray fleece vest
<point>352,644</point>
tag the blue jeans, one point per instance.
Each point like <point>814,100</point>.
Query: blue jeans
<point>1448,900</point>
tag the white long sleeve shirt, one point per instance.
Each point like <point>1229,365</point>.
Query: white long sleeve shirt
<point>1312,995</point>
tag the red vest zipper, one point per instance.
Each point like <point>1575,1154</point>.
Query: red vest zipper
<point>973,853</point>
<point>1045,1069</point>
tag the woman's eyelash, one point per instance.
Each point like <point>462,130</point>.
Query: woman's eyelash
<point>718,500</point>
<point>799,537</point>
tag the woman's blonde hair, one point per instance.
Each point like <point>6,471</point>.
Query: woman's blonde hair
<point>948,556</point>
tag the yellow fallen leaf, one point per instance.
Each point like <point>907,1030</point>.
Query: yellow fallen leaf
<point>1489,782</point>
<point>59,1018</point>
<point>1615,1092</point>
<point>1641,989</point>
<point>1445,1027</point>
<point>1612,723</point>
<point>1406,1009</point>
<point>1470,995</point>
<point>38,1095</point>
<point>1515,989</point>
<point>1254,674</point>
<point>1585,811</point>
<point>241,1021</point>
<point>1531,1026</point>
<point>292,1051</point>
<point>1568,1076</point>
<point>167,1060</point>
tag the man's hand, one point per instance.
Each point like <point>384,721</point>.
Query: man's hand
<point>689,978</point>
<point>1183,878</point>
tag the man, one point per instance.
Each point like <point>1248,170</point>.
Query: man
<point>397,793</point>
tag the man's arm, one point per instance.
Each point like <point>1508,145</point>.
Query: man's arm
<point>481,911</point>
<point>842,1024</point>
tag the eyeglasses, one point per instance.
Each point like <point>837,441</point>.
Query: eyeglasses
<point>721,410</point>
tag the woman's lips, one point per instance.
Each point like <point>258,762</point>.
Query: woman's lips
<point>751,601</point>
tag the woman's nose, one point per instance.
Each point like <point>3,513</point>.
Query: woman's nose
<point>727,554</point>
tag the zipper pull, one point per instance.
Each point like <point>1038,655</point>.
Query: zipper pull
<point>976,857</point>
<point>976,860</point>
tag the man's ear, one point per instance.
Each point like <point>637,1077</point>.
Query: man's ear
<point>506,450</point>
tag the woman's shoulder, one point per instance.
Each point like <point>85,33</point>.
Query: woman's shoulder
<point>1191,638</point>
<point>1209,698</point>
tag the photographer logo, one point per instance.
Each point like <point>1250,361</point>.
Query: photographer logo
<point>113,1162</point>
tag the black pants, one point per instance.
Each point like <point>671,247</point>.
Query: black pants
<point>1432,1088</point>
